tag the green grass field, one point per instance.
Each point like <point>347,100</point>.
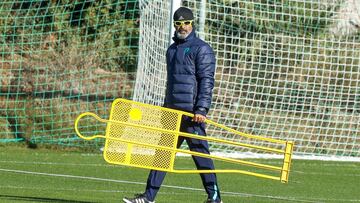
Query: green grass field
<point>43,175</point>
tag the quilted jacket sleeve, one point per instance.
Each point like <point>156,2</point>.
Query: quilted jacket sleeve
<point>205,71</point>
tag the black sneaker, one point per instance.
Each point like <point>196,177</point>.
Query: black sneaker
<point>139,198</point>
<point>212,201</point>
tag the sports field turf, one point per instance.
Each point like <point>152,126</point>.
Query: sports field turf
<point>42,175</point>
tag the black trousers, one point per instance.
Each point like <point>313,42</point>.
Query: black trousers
<point>209,180</point>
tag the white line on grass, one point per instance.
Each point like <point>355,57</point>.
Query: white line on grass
<point>325,174</point>
<point>84,190</point>
<point>324,163</point>
<point>58,163</point>
<point>70,176</point>
<point>62,189</point>
<point>312,200</point>
<point>109,165</point>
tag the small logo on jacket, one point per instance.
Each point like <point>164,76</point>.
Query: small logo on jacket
<point>186,50</point>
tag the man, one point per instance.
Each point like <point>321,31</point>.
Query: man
<point>190,80</point>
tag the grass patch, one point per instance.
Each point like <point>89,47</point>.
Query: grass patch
<point>44,175</point>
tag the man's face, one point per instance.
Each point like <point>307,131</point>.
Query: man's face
<point>183,28</point>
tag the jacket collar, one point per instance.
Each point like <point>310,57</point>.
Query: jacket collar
<point>189,37</point>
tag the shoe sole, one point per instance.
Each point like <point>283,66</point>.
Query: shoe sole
<point>126,201</point>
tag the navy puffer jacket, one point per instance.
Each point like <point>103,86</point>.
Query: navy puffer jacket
<point>190,75</point>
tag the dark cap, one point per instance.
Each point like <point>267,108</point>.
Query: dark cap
<point>183,13</point>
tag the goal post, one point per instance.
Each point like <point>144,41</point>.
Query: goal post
<point>285,70</point>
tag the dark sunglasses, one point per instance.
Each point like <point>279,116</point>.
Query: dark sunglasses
<point>183,22</point>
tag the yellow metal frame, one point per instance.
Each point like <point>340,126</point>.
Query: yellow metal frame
<point>129,146</point>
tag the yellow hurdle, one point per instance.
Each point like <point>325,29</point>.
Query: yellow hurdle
<point>145,136</point>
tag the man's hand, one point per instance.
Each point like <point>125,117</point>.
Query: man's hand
<point>199,118</point>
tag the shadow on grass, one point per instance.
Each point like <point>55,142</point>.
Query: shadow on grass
<point>38,199</point>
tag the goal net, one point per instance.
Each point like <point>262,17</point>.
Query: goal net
<point>61,58</point>
<point>286,69</point>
